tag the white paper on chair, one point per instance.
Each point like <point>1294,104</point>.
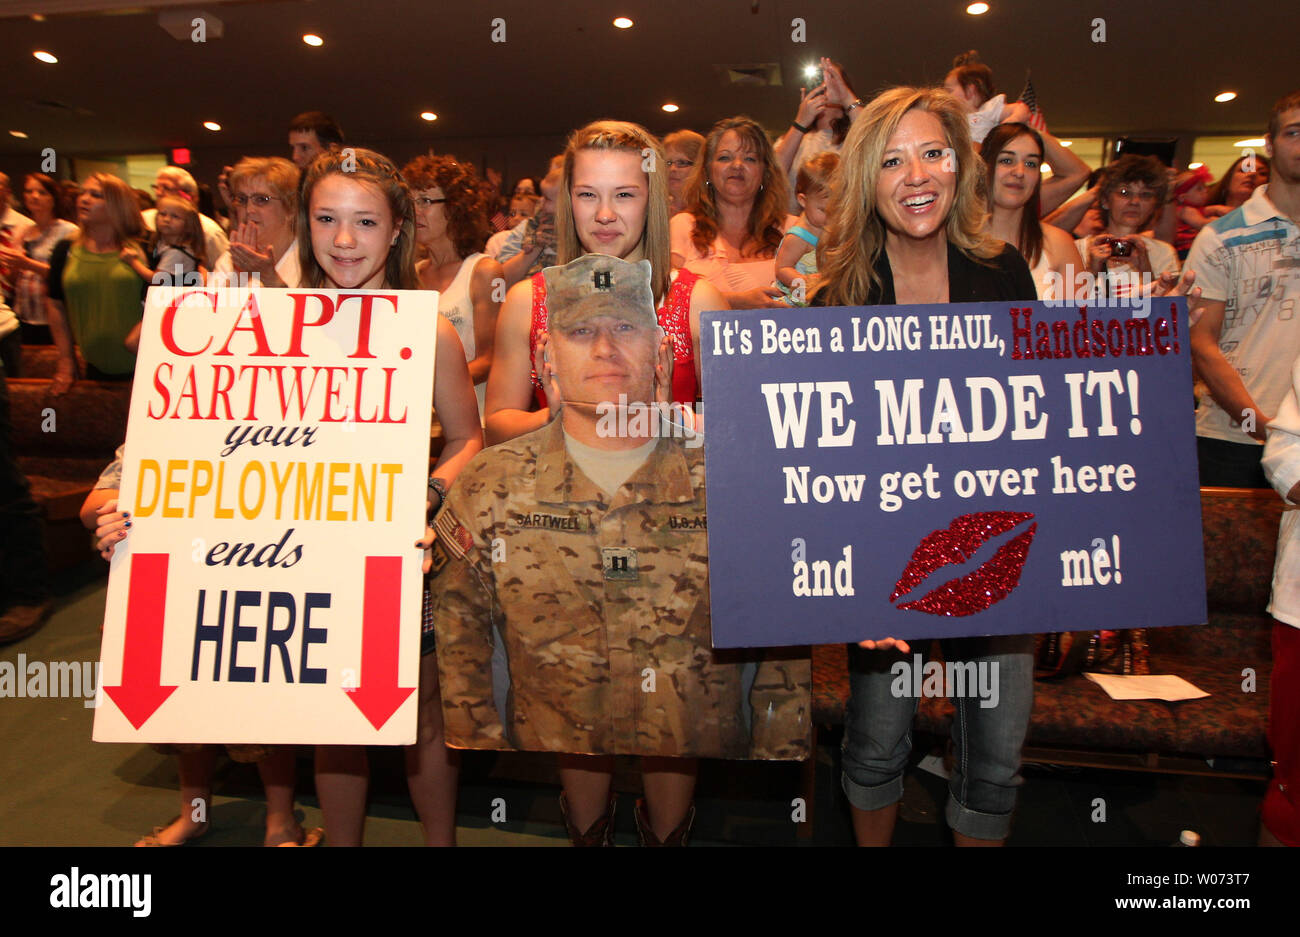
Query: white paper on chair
<point>1147,686</point>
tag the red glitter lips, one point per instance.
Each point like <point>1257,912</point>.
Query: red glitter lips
<point>976,591</point>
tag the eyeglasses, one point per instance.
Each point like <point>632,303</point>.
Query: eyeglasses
<point>1142,196</point>
<point>425,202</point>
<point>680,163</point>
<point>260,200</point>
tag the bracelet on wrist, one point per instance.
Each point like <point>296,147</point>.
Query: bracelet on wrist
<point>800,127</point>
<point>856,102</point>
<point>437,495</point>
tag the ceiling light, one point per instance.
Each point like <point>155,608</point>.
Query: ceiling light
<point>18,133</point>
<point>1195,165</point>
<point>1224,97</point>
<point>975,9</point>
<point>1253,141</point>
<point>623,23</point>
<point>47,57</point>
<point>211,125</point>
<point>312,39</point>
<point>671,108</point>
<point>1067,143</point>
<point>428,115</point>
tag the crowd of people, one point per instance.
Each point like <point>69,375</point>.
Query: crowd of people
<point>916,196</point>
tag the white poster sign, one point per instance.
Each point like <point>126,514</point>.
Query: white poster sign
<point>275,471</point>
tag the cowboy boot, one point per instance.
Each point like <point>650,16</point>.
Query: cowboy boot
<point>600,833</point>
<point>645,832</point>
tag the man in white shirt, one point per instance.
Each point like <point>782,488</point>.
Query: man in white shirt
<point>1266,229</point>
<point>1247,264</point>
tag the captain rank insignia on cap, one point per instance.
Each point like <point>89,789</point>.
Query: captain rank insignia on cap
<point>603,280</point>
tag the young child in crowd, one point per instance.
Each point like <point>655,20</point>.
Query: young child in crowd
<point>796,258</point>
<point>539,233</point>
<point>1191,192</point>
<point>176,250</point>
<point>522,207</point>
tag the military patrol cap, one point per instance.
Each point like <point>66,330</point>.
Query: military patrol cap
<point>599,285</point>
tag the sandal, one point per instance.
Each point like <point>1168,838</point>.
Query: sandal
<point>306,838</point>
<point>154,838</point>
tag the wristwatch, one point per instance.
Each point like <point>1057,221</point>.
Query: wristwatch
<point>437,495</point>
<point>852,104</point>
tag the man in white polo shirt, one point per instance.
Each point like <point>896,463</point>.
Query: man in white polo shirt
<point>1247,264</point>
<point>1280,812</point>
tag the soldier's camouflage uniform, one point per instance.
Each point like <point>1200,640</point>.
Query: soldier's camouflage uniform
<point>597,665</point>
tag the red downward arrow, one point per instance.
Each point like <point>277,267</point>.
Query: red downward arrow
<point>379,696</point>
<point>140,693</point>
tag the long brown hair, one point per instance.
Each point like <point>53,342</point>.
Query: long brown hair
<point>53,189</point>
<point>379,171</point>
<point>1219,191</point>
<point>855,234</point>
<point>1029,239</point>
<point>767,214</point>
<point>467,198</point>
<point>625,137</point>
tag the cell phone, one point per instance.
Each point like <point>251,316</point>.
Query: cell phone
<point>814,75</point>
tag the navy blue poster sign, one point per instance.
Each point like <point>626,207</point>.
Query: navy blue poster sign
<point>936,471</point>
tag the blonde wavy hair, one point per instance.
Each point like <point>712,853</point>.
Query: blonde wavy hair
<point>855,234</point>
<point>620,136</point>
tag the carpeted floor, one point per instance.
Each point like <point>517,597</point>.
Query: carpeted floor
<point>59,788</point>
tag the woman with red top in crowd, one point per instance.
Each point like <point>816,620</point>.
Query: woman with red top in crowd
<point>614,200</point>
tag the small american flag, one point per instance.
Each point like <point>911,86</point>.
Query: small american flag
<point>1030,99</point>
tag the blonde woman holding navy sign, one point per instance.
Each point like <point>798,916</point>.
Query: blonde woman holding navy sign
<point>908,228</point>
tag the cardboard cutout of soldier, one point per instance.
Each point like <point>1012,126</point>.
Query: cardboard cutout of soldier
<point>578,554</point>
